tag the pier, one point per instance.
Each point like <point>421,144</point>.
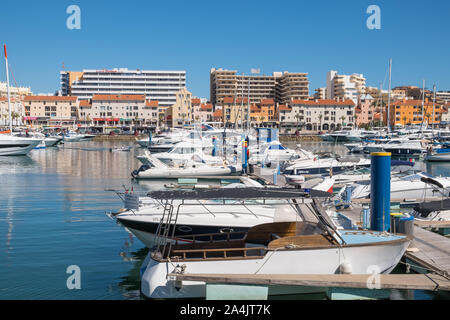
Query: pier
<point>430,282</point>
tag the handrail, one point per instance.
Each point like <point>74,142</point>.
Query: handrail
<point>225,250</point>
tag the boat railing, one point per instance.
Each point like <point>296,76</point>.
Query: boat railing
<point>228,253</point>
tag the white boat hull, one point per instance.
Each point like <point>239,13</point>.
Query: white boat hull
<point>364,259</point>
<point>17,146</point>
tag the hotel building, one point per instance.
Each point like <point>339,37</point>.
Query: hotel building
<point>280,86</point>
<point>155,85</point>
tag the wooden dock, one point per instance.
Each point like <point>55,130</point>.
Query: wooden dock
<point>431,251</point>
<point>428,250</point>
<point>430,282</point>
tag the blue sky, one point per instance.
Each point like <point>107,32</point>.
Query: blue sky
<point>298,36</point>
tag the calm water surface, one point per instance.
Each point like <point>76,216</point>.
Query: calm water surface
<point>52,216</point>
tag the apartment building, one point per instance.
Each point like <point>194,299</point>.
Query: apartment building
<point>443,96</point>
<point>410,112</point>
<point>50,110</point>
<point>234,111</point>
<point>17,111</point>
<point>365,110</point>
<point>159,85</point>
<point>264,113</point>
<point>317,115</point>
<point>118,110</point>
<point>280,86</point>
<point>181,112</point>
<point>320,93</point>
<point>291,86</point>
<point>14,92</point>
<point>345,86</point>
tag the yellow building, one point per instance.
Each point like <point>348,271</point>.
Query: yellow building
<point>181,112</point>
<point>406,112</point>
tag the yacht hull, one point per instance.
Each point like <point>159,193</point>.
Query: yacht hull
<point>363,258</point>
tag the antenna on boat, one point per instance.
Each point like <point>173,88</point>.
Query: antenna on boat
<point>7,86</point>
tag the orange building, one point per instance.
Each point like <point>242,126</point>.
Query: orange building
<point>407,112</point>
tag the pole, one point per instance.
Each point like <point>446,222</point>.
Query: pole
<point>248,104</point>
<point>7,88</point>
<point>434,100</point>
<point>423,103</point>
<point>380,191</point>
<point>389,98</point>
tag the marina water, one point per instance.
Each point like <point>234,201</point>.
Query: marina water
<point>52,216</point>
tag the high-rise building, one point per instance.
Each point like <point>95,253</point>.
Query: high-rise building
<point>345,86</point>
<point>280,86</point>
<point>320,93</point>
<point>159,85</point>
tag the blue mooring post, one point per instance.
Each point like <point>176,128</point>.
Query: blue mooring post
<point>149,138</point>
<point>244,157</point>
<point>214,150</point>
<point>380,191</point>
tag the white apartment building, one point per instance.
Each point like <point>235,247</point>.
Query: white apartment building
<point>14,92</point>
<point>318,115</point>
<point>160,85</point>
<point>17,111</point>
<point>345,86</point>
<point>443,95</point>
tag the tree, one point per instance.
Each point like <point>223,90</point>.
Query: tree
<point>343,119</point>
<point>297,117</point>
<point>320,121</point>
<point>404,120</point>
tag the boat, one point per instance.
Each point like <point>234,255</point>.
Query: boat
<point>324,166</point>
<point>312,245</point>
<point>438,154</point>
<point>273,151</point>
<point>114,149</point>
<point>156,169</point>
<point>141,215</point>
<point>11,145</point>
<point>438,210</point>
<point>414,186</point>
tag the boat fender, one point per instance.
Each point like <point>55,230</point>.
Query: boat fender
<point>225,162</point>
<point>345,268</point>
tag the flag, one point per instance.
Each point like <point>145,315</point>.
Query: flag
<point>255,70</point>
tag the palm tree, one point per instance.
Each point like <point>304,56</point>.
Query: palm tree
<point>297,116</point>
<point>320,122</point>
<point>14,116</point>
<point>343,119</point>
<point>404,120</point>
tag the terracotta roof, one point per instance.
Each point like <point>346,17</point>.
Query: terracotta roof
<point>405,102</point>
<point>254,108</point>
<point>85,103</point>
<point>324,102</point>
<point>206,107</point>
<point>283,107</point>
<point>195,101</point>
<point>267,101</point>
<point>118,97</point>
<point>151,103</point>
<point>50,98</point>
<point>217,113</point>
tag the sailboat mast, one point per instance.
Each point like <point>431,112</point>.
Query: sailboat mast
<point>7,88</point>
<point>389,97</point>
<point>434,100</point>
<point>423,103</point>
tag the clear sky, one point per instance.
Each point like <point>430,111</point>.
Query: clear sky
<point>296,36</point>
